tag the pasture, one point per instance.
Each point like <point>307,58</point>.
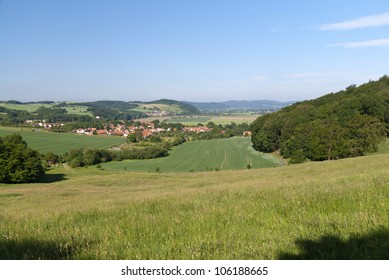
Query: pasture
<point>204,155</point>
<point>322,210</point>
<point>60,143</point>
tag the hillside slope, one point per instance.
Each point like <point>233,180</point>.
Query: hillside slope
<point>326,210</point>
<point>348,123</point>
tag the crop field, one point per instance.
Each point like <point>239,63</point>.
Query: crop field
<point>322,210</point>
<point>204,155</point>
<point>60,143</point>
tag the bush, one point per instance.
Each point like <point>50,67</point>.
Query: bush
<point>297,157</point>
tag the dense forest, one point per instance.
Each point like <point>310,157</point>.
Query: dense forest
<point>348,123</point>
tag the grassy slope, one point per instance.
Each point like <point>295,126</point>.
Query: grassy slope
<point>325,210</point>
<point>60,142</point>
<point>224,154</point>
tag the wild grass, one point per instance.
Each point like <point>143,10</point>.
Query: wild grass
<point>325,210</point>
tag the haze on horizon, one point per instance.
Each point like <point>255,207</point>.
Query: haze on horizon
<point>189,50</point>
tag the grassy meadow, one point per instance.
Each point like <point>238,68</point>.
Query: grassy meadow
<point>316,210</point>
<point>60,143</point>
<point>205,155</point>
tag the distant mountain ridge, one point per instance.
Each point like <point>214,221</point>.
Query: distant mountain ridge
<point>240,105</point>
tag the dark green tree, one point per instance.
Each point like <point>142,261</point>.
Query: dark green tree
<point>18,162</point>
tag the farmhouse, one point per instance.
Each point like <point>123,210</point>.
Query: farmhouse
<point>247,133</point>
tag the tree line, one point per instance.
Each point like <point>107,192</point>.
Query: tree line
<point>348,123</point>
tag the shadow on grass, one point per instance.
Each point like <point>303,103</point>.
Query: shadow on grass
<point>372,246</point>
<point>52,178</point>
<point>35,250</point>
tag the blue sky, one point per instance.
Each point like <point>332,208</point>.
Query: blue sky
<point>195,50</point>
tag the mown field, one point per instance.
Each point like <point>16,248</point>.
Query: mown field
<point>60,143</point>
<point>205,155</point>
<point>323,210</point>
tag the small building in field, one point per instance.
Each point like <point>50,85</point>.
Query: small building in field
<point>247,133</point>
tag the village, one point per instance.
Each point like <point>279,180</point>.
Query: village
<point>146,128</point>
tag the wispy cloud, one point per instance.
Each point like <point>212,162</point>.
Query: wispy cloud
<point>361,22</point>
<point>363,44</point>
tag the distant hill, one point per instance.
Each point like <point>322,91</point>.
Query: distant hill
<point>240,105</point>
<point>185,107</point>
<point>122,106</point>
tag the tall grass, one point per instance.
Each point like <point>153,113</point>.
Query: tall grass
<point>326,210</point>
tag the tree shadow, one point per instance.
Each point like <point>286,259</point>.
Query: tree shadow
<point>52,178</point>
<point>372,246</point>
<point>35,250</point>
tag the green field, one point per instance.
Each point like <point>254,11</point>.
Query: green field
<point>77,110</point>
<point>205,155</point>
<point>25,107</point>
<point>60,143</point>
<point>322,210</point>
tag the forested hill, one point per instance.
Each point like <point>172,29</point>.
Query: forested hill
<point>338,125</point>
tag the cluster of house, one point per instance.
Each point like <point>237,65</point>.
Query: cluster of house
<point>197,129</point>
<point>160,114</point>
<point>44,124</point>
<point>146,128</point>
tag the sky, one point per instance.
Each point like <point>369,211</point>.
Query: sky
<point>192,50</point>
